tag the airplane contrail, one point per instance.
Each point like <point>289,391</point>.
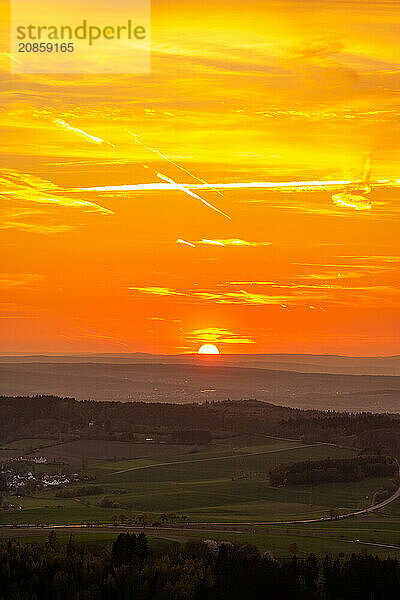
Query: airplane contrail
<point>90,138</point>
<point>282,185</point>
<point>179,186</point>
<point>155,151</point>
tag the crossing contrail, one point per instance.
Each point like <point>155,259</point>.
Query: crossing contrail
<point>183,188</point>
<point>171,162</point>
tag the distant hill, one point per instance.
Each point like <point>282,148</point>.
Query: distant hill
<point>305,363</point>
<point>185,383</point>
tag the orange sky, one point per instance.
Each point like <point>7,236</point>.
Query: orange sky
<point>239,93</point>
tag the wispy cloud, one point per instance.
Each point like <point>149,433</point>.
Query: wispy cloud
<point>285,294</point>
<point>26,187</point>
<point>351,201</point>
<point>217,335</point>
<point>223,242</point>
<point>19,280</point>
<point>180,241</point>
<point>247,283</point>
<point>12,310</point>
<point>155,291</point>
<point>242,297</point>
<point>356,267</point>
<point>164,319</point>
<point>375,259</point>
<point>17,219</point>
<point>319,62</point>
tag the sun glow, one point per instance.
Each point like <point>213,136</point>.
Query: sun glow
<point>132,173</point>
<point>208,349</point>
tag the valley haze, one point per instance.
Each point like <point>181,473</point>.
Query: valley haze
<point>301,381</point>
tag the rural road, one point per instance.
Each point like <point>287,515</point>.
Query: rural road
<point>182,534</point>
<point>356,513</point>
<point>67,528</point>
<point>214,525</point>
<point>174,534</point>
<point>35,531</point>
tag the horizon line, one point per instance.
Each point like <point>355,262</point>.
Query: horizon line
<point>192,354</point>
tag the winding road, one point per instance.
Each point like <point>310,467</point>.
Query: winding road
<point>8,530</point>
<point>357,513</point>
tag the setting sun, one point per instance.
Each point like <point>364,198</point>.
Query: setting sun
<point>208,349</point>
<point>271,217</point>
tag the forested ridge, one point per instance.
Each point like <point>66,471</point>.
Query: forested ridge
<point>50,415</point>
<point>196,571</point>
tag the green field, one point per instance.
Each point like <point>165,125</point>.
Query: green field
<point>29,444</point>
<point>322,538</point>
<point>226,482</point>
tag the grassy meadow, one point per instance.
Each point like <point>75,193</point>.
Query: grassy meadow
<point>226,482</point>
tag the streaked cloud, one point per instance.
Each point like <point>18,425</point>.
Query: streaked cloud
<point>284,294</point>
<point>217,335</point>
<point>164,319</point>
<point>243,297</point>
<point>351,201</point>
<point>212,242</point>
<point>223,242</point>
<point>247,283</point>
<point>12,310</point>
<point>374,259</point>
<point>17,219</point>
<point>356,267</point>
<point>155,291</point>
<point>19,280</point>
<point>180,241</point>
<point>26,187</point>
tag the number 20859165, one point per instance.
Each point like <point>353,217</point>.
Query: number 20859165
<point>45,47</point>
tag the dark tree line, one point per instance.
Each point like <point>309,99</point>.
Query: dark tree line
<point>83,490</point>
<point>22,417</point>
<point>129,571</point>
<point>333,470</point>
